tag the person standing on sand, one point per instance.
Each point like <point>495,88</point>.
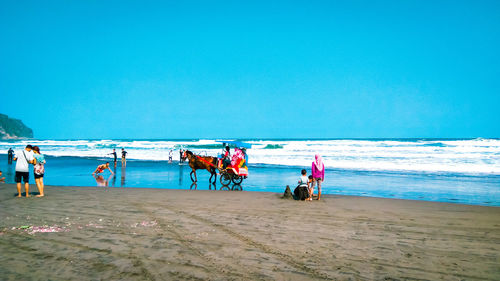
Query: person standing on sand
<point>114,156</point>
<point>124,159</point>
<point>23,158</point>
<point>10,154</point>
<point>318,173</point>
<point>39,170</point>
<point>311,189</point>
<point>101,169</point>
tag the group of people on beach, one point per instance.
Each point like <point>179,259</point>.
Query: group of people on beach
<point>305,189</point>
<point>32,155</point>
<point>101,168</point>
<point>232,160</point>
<point>124,156</point>
<point>25,157</point>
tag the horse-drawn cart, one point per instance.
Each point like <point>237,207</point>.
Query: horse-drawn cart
<point>232,174</point>
<point>237,170</point>
<point>231,169</point>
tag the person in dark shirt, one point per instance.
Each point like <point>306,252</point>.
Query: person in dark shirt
<point>124,159</point>
<point>10,152</point>
<point>114,155</point>
<point>227,158</point>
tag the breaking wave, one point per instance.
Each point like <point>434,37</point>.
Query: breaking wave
<point>463,156</point>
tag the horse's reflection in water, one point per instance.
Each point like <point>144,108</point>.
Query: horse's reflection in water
<point>181,174</point>
<point>194,186</point>
<point>234,187</point>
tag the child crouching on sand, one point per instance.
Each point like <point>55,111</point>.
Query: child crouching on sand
<point>302,190</point>
<point>101,169</point>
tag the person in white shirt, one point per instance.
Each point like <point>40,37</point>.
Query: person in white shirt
<point>23,158</point>
<point>302,190</point>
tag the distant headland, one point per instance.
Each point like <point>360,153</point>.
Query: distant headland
<point>13,129</point>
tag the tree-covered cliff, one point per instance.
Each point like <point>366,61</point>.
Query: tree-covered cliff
<point>13,128</point>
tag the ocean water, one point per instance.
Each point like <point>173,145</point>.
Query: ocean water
<point>446,170</point>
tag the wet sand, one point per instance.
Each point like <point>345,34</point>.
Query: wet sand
<point>90,233</point>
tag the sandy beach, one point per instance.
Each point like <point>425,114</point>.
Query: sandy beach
<point>90,233</point>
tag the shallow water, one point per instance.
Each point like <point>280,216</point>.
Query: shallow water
<point>442,187</point>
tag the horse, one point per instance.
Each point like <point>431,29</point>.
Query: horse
<point>201,162</point>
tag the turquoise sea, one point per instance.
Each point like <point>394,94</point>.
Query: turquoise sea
<point>446,170</point>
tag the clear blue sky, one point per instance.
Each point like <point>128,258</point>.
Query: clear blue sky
<point>260,69</point>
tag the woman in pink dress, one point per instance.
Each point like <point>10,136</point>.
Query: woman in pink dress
<point>318,173</point>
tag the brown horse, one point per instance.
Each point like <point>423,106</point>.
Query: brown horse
<point>201,162</point>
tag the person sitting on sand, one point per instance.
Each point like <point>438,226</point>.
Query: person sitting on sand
<point>101,169</point>
<point>302,190</point>
<point>39,170</point>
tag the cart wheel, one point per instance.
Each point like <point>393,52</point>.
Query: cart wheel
<point>237,179</point>
<point>225,179</point>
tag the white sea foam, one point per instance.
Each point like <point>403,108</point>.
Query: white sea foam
<point>476,156</point>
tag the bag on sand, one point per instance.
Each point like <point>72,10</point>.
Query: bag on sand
<point>288,193</point>
<point>301,192</point>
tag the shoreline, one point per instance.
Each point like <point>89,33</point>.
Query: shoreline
<point>139,233</point>
<point>34,191</point>
<point>146,174</point>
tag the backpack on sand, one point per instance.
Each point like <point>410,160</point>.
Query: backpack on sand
<point>301,193</point>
